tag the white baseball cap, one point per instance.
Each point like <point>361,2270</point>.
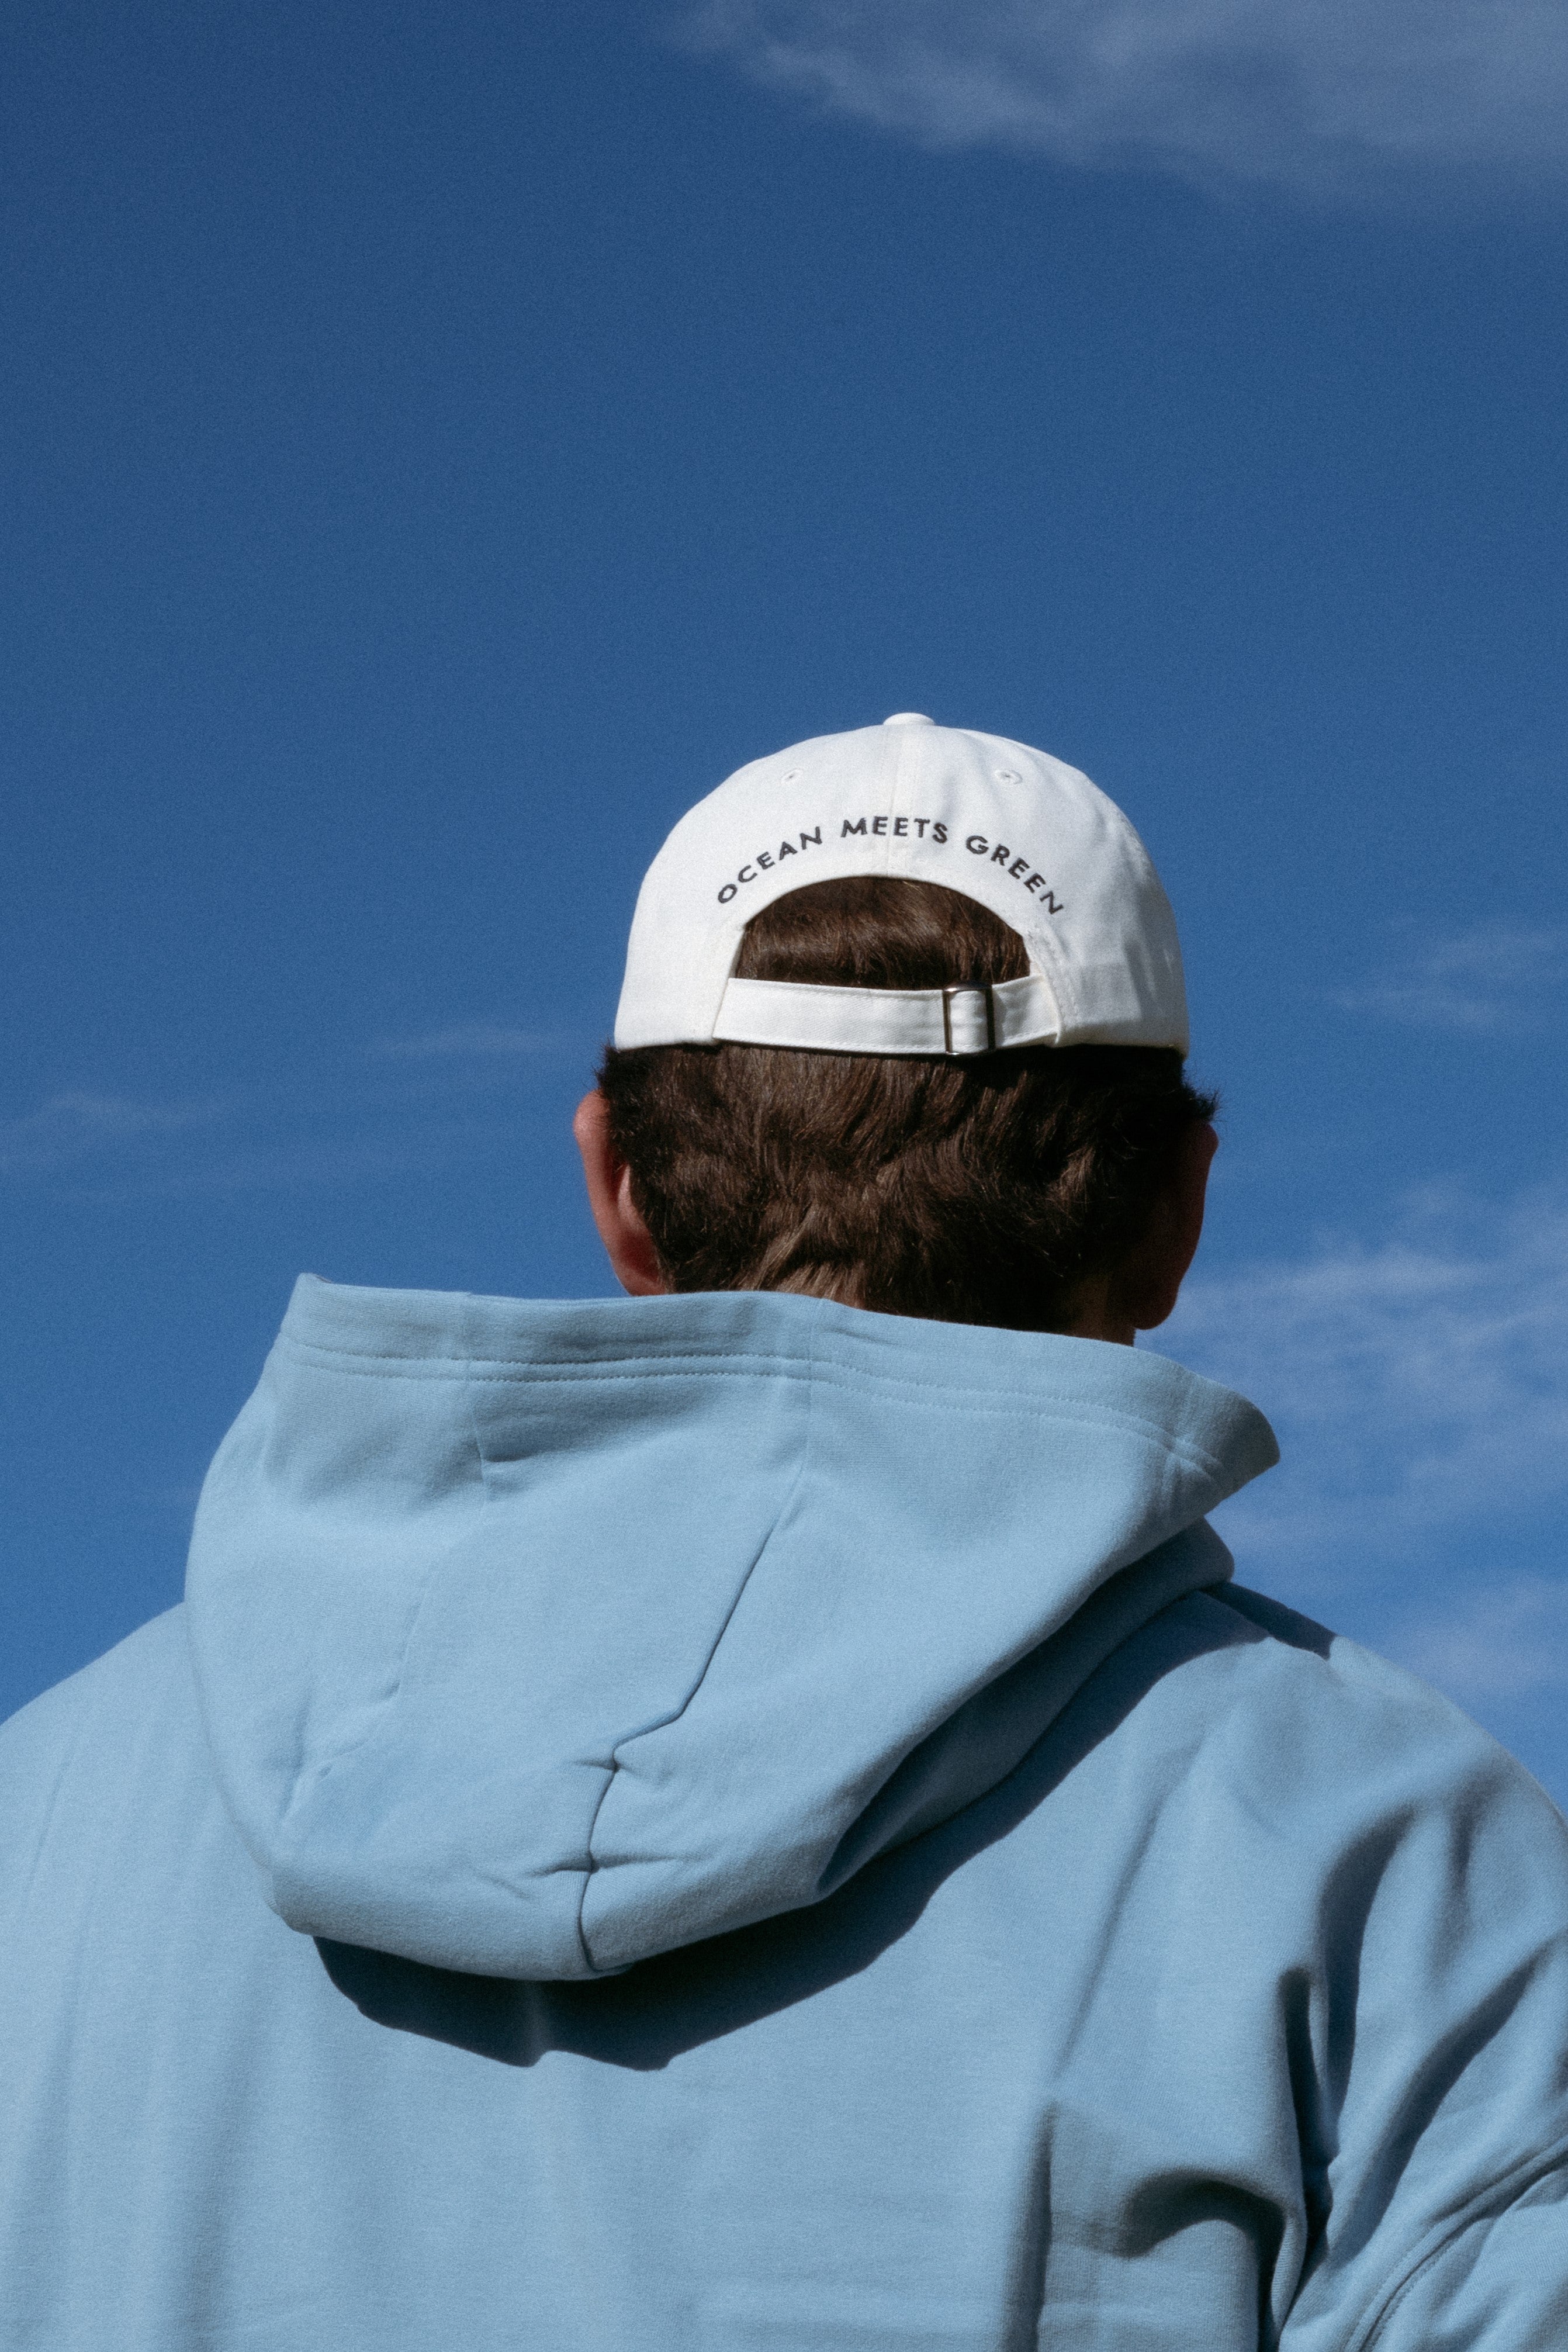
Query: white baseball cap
<point>1013,828</point>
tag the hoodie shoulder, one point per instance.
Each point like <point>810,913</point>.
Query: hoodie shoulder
<point>1324,1668</point>
<point>1318,1737</point>
<point>130,1674</point>
<point>80,1739</point>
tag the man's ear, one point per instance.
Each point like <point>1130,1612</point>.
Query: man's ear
<point>1147,1285</point>
<point>628,1243</point>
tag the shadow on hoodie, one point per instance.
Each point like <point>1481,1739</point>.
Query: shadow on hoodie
<point>535,1641</point>
<point>662,2007</point>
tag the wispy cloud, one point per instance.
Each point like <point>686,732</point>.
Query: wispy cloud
<point>1504,977</point>
<point>75,1126</point>
<point>474,1039</point>
<point>413,1112</point>
<point>1419,1385</point>
<point>277,1161</point>
<point>1508,1640</point>
<point>1313,95</point>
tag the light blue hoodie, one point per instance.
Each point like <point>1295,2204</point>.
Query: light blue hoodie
<point>736,1824</point>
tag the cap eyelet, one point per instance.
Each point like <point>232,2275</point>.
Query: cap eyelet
<point>1009,776</point>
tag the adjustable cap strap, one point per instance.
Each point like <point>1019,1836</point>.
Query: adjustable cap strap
<point>940,1021</point>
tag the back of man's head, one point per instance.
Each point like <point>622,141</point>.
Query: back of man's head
<point>977,1181</point>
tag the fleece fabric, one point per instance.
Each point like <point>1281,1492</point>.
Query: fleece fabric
<point>737,1824</point>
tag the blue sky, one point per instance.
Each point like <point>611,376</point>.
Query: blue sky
<point>442,444</point>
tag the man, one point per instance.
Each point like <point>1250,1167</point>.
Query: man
<point>751,1817</point>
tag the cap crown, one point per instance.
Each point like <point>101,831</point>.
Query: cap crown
<point>1019,832</point>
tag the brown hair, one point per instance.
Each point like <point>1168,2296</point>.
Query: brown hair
<point>985,1190</point>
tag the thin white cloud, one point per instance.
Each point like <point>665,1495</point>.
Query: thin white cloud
<point>1419,1386</point>
<point>474,1039</point>
<point>75,1126</point>
<point>286,1163</point>
<point>103,1147</point>
<point>1503,977</point>
<point>1320,96</point>
<point>1508,1640</point>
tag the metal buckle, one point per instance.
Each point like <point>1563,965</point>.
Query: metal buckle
<point>969,988</point>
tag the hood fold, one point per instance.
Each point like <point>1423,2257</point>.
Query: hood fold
<point>534,1638</point>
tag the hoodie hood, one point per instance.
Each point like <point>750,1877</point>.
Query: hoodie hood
<point>535,1638</point>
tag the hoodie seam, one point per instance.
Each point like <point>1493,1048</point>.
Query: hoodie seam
<point>326,1764</point>
<point>645,1730</point>
<point>522,1365</point>
<point>1490,2203</point>
<point>975,1402</point>
<point>691,1362</point>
